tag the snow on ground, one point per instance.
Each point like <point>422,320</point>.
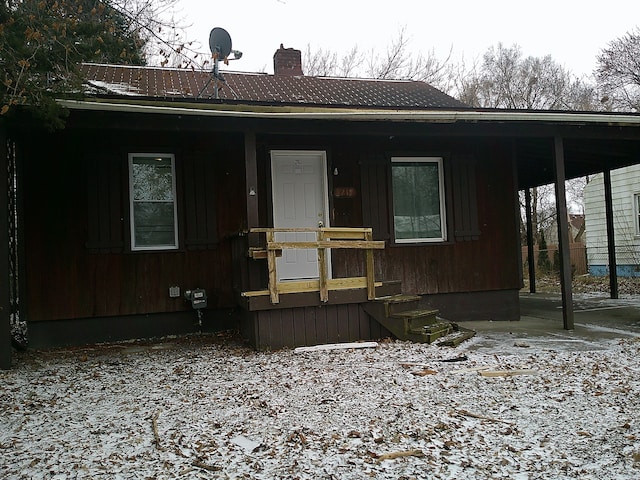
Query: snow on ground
<point>207,407</point>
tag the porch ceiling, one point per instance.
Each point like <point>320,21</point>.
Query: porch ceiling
<point>583,156</point>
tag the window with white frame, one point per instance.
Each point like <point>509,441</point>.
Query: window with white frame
<point>152,201</point>
<point>418,199</point>
<point>636,204</point>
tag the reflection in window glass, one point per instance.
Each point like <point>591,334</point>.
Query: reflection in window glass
<point>418,205</point>
<point>153,209</point>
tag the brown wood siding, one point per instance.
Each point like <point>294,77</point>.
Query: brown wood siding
<point>104,202</point>
<point>316,325</point>
<point>76,225</point>
<point>483,258</point>
<point>480,206</point>
<point>275,329</point>
<point>199,207</point>
<point>65,279</point>
<point>498,305</point>
<point>345,187</point>
<point>375,203</point>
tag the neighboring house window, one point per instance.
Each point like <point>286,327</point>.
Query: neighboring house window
<point>153,206</point>
<point>418,199</point>
<point>636,203</point>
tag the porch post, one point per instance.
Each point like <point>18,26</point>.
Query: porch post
<point>253,218</point>
<point>531,258</point>
<point>611,242</point>
<point>563,234</point>
<point>5,308</point>
<point>251,178</point>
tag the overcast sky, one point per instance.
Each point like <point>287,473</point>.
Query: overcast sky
<point>572,32</point>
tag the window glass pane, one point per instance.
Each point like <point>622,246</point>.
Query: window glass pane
<point>637,213</point>
<point>154,224</point>
<point>152,178</point>
<point>152,202</point>
<point>417,200</point>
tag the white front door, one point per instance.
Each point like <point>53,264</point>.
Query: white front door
<point>300,200</point>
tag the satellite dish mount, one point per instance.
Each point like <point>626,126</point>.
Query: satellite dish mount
<point>220,45</point>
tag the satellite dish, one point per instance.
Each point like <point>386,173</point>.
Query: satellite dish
<point>220,42</point>
<point>220,45</point>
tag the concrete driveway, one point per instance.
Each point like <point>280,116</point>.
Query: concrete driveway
<point>597,321</point>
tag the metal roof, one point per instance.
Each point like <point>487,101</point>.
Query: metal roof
<point>193,85</point>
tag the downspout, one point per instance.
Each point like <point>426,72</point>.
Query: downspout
<point>563,234</point>
<point>5,308</point>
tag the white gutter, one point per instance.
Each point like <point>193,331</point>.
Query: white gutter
<point>436,116</point>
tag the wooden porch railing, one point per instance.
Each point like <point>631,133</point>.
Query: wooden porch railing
<point>326,238</point>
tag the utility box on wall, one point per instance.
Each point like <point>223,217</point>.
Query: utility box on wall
<point>197,297</point>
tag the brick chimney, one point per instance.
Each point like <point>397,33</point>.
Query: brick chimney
<point>287,61</point>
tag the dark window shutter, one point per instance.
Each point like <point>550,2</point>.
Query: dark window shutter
<point>104,204</point>
<point>465,202</point>
<point>375,205</point>
<point>200,222</point>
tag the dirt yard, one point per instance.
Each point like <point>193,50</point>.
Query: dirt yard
<point>585,284</point>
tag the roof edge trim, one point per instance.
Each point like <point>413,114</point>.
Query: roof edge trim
<point>436,116</point>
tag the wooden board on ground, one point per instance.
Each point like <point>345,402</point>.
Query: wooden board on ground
<point>336,346</point>
<point>506,373</point>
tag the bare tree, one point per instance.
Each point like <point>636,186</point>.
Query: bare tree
<point>163,34</point>
<point>618,71</point>
<point>507,79</point>
<point>543,213</point>
<point>326,63</point>
<point>320,63</point>
<point>397,62</point>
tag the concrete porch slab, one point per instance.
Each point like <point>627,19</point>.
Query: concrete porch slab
<point>598,320</point>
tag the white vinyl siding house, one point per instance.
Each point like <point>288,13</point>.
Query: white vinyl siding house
<point>625,192</point>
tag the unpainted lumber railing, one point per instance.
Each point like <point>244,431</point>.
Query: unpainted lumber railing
<point>326,238</point>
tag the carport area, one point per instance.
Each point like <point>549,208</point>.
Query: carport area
<point>598,320</point>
